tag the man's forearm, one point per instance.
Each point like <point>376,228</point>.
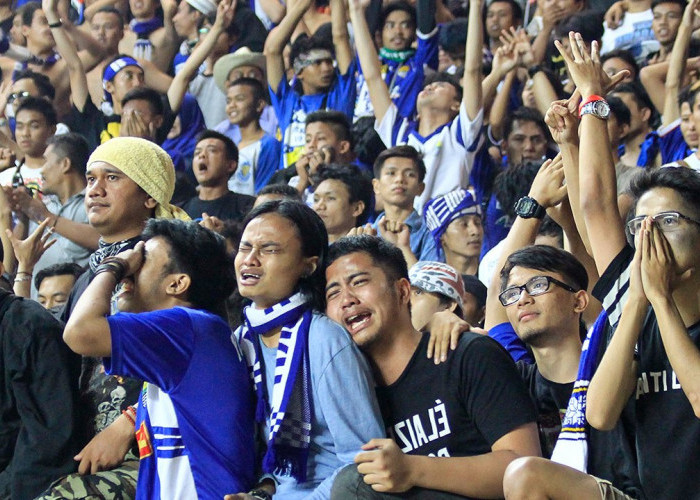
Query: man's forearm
<point>479,476</point>
<point>87,331</point>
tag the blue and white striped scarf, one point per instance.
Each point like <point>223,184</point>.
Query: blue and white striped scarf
<point>289,408</point>
<point>571,447</point>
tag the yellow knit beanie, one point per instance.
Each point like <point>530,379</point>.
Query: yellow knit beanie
<point>148,165</point>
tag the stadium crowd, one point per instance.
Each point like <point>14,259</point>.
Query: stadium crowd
<point>349,249</point>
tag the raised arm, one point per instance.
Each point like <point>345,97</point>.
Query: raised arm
<point>278,38</point>
<point>598,181</point>
<point>548,190</point>
<point>87,330</point>
<point>369,60</point>
<point>471,82</point>
<point>165,42</point>
<point>677,63</point>
<point>341,40</point>
<point>64,45</point>
<point>178,87</point>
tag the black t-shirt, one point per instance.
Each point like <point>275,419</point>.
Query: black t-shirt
<point>232,206</point>
<point>551,400</point>
<point>667,430</point>
<point>460,407</point>
<point>97,127</point>
<point>39,411</point>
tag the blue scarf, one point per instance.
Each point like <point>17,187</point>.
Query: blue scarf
<point>572,446</point>
<point>289,406</point>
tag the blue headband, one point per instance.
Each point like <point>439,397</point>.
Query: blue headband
<point>115,67</point>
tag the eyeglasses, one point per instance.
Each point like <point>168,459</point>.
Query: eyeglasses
<point>17,95</point>
<point>535,286</point>
<point>666,221</point>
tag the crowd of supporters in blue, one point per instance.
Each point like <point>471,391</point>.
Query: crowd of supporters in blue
<point>424,249</point>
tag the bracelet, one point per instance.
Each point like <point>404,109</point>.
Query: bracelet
<point>114,265</point>
<point>24,272</point>
<point>26,278</point>
<point>57,24</point>
<point>128,416</point>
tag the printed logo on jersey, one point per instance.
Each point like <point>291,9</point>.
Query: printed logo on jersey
<point>418,430</point>
<point>144,441</point>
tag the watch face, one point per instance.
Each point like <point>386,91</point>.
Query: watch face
<point>525,207</point>
<point>601,108</point>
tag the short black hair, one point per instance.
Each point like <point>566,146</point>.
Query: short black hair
<point>547,259</point>
<point>400,152</point>
<point>229,146</point>
<point>626,56</point>
<point>73,146</point>
<point>39,105</point>
<point>526,114</point>
<point>260,93</point>
<point>619,110</point>
<point>112,10</point>
<point>383,254</point>
<point>201,254</point>
<point>684,181</point>
<point>549,227</point>
<point>358,185</point>
<point>589,23</point>
<point>394,6</point>
<point>60,269</point>
<point>640,96</point>
<point>336,120</point>
<point>27,12</point>
<point>513,183</point>
<point>42,82</point>
<point>681,3</point>
<point>314,242</point>
<point>515,8</point>
<point>284,190</point>
<point>152,97</point>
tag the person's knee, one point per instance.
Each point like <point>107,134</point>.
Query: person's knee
<point>346,482</point>
<point>524,478</point>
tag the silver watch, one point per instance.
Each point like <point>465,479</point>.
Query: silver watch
<point>599,108</point>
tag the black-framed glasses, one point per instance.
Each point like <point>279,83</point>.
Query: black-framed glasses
<point>534,286</point>
<point>17,95</point>
<point>665,221</point>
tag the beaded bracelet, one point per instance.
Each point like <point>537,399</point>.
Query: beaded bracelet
<point>115,265</point>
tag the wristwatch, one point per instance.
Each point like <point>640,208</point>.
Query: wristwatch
<point>596,106</point>
<point>260,494</point>
<point>528,208</point>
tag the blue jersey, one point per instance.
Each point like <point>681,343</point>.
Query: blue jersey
<point>403,79</point>
<point>292,107</point>
<point>256,164</point>
<point>195,420</point>
<point>672,144</point>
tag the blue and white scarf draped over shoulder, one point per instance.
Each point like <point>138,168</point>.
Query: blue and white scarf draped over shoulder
<point>289,406</point>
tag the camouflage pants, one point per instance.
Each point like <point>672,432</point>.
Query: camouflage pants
<point>116,484</point>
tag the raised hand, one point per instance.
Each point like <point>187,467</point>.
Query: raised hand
<point>504,59</point>
<point>548,187</point>
<point>366,229</point>
<point>521,45</point>
<point>30,250</point>
<point>615,14</point>
<point>224,14</point>
<point>562,122</point>
<point>585,69</point>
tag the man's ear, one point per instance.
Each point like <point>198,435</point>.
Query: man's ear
<point>178,284</point>
<point>109,87</point>
<point>403,288</point>
<point>150,203</point>
<point>232,166</point>
<point>157,121</point>
<point>344,147</point>
<point>310,263</point>
<point>260,106</point>
<point>65,165</point>
<point>646,114</point>
<point>358,208</point>
<point>375,185</point>
<point>581,300</point>
<point>624,130</point>
<point>421,188</point>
